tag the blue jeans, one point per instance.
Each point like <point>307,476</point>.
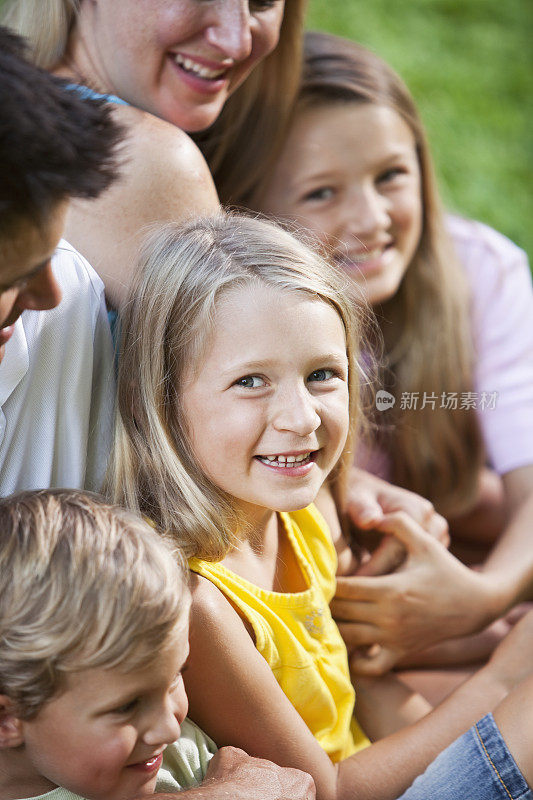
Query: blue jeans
<point>477,766</point>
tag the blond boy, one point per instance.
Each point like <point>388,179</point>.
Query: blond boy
<point>94,612</point>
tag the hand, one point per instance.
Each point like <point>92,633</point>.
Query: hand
<point>370,498</point>
<point>241,776</point>
<point>430,598</point>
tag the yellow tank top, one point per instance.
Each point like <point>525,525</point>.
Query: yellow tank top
<point>297,636</point>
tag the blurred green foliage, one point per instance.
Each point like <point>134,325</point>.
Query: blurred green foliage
<point>469,66</point>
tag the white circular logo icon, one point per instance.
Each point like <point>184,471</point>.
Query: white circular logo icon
<point>384,400</point>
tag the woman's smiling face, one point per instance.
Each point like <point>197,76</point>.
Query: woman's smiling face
<point>177,59</point>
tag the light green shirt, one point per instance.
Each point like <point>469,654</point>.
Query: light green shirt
<point>184,764</point>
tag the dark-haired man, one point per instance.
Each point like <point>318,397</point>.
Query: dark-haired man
<point>56,379</point>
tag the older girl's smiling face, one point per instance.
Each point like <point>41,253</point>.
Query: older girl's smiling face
<point>177,59</point>
<point>350,173</point>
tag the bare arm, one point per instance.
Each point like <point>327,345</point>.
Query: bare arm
<point>164,178</point>
<point>510,564</point>
<point>235,698</point>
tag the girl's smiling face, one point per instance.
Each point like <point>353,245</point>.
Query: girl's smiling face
<point>267,409</point>
<point>349,172</point>
<point>104,735</point>
<point>177,59</point>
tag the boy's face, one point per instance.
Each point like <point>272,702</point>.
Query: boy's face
<point>103,736</point>
<point>26,277</point>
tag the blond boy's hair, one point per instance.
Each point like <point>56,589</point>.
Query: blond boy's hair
<point>183,271</point>
<point>83,584</point>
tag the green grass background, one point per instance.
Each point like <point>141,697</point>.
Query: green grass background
<point>469,66</point>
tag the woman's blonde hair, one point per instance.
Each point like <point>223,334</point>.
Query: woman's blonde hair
<point>82,585</point>
<point>251,127</point>
<point>166,324</point>
<point>426,327</point>
<point>46,25</point>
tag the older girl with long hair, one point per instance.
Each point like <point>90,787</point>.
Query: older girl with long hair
<point>455,305</point>
<point>169,67</point>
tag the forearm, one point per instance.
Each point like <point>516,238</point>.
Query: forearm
<point>407,753</point>
<point>510,564</point>
<point>385,705</point>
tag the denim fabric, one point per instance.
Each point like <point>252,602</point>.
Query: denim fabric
<point>477,766</point>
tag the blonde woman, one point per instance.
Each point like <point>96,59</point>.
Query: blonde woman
<point>168,67</point>
<point>455,305</point>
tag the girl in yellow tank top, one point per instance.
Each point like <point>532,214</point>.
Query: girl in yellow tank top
<point>246,344</point>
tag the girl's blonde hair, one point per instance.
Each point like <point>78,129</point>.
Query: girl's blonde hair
<point>426,327</point>
<point>251,127</point>
<point>83,585</point>
<point>166,324</point>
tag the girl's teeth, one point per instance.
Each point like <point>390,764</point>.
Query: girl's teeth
<point>198,69</point>
<point>284,461</point>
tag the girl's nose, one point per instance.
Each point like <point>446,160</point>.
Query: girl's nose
<point>295,412</point>
<point>366,213</point>
<point>41,291</point>
<point>231,30</point>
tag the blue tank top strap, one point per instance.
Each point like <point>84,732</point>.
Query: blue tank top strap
<point>86,93</point>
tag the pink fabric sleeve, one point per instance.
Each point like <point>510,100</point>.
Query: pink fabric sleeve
<point>502,317</point>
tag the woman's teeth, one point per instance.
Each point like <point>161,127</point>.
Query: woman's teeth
<point>285,461</point>
<point>198,69</point>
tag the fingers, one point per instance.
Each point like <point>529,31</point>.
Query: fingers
<point>407,531</point>
<point>358,634</point>
<point>251,778</point>
<point>376,661</point>
<point>437,527</point>
<point>364,589</point>
<point>355,611</point>
<point>363,508</point>
<point>387,557</point>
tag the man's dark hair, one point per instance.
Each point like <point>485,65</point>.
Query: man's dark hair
<point>53,144</point>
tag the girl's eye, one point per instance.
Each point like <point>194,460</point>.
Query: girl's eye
<point>391,174</point>
<point>250,382</point>
<point>321,375</point>
<point>262,5</point>
<point>323,193</point>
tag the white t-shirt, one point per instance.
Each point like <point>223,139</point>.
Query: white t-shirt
<point>57,387</point>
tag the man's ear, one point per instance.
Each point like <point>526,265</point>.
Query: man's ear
<point>10,725</point>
